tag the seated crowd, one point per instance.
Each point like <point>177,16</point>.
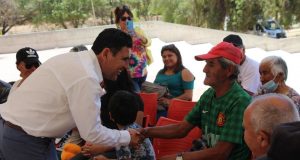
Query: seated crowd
<point>98,108</point>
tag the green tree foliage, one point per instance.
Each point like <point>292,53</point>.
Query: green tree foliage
<point>286,12</point>
<point>62,11</point>
<point>103,10</point>
<point>242,14</point>
<point>205,13</point>
<point>8,13</point>
<point>13,13</point>
<point>214,13</point>
<point>140,8</point>
<point>169,9</point>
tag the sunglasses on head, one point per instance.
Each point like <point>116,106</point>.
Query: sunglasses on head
<point>125,18</point>
<point>29,66</point>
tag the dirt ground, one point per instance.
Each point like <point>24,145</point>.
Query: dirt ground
<point>293,32</point>
<point>21,29</point>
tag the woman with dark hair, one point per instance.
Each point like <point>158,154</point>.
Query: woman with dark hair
<point>178,79</point>
<point>140,56</point>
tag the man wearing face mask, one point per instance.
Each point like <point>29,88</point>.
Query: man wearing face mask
<point>273,74</point>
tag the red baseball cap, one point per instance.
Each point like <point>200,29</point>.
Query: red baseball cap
<point>225,50</point>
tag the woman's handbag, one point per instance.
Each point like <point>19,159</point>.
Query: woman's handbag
<point>149,87</point>
<point>162,91</point>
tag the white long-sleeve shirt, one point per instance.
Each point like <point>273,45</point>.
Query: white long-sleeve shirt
<point>15,86</point>
<point>61,94</point>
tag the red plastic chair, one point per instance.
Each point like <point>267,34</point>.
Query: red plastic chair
<point>178,109</point>
<point>146,120</point>
<point>163,147</point>
<point>150,106</point>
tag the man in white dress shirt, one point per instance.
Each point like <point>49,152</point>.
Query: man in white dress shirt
<point>61,94</point>
<point>249,76</point>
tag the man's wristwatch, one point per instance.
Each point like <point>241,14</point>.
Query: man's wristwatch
<point>179,156</point>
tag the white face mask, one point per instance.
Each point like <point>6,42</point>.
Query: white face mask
<point>269,87</point>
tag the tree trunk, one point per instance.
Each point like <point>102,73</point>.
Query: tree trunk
<point>6,28</point>
<point>3,29</point>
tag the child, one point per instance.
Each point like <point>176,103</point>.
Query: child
<point>123,107</point>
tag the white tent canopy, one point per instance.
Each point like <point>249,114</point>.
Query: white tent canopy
<point>8,71</point>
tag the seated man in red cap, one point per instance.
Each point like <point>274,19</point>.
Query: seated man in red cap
<point>219,111</point>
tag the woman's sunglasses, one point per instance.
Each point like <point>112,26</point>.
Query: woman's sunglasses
<point>29,66</point>
<point>125,18</point>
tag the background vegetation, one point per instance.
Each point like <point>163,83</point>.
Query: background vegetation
<point>240,15</point>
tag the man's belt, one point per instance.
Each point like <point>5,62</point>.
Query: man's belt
<point>16,127</point>
<point>11,125</point>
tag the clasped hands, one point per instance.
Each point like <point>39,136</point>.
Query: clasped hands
<point>137,136</point>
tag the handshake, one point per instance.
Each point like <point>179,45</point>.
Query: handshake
<point>137,136</point>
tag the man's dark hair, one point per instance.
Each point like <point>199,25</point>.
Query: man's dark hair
<point>123,107</point>
<point>111,38</point>
<point>234,39</point>
<point>79,48</point>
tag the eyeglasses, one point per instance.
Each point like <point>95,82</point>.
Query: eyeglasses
<point>29,66</point>
<point>125,18</point>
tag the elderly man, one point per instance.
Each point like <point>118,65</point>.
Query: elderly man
<point>61,94</point>
<point>219,111</point>
<point>262,116</point>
